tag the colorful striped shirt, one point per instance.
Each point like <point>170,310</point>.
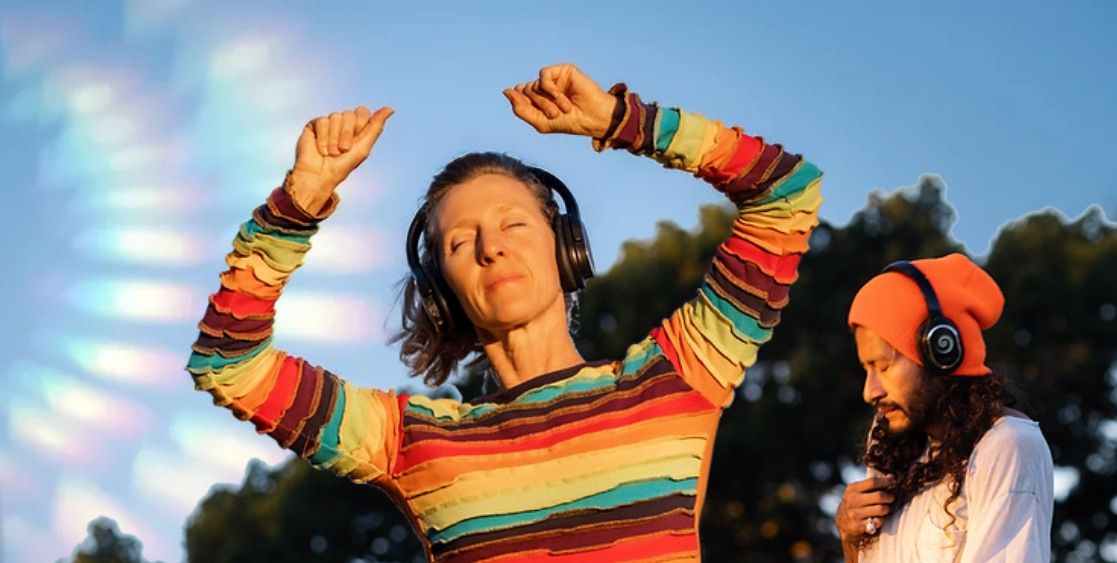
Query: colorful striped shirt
<point>601,462</point>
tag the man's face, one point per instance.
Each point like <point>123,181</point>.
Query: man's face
<point>894,385</point>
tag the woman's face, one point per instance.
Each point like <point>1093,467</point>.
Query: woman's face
<point>498,252</point>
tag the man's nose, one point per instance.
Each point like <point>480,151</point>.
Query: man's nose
<point>872,390</point>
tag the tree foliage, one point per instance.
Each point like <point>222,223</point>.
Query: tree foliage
<point>106,544</point>
<point>297,514</point>
<point>790,440</point>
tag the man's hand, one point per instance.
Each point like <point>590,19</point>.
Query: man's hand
<point>563,100</point>
<point>330,148</point>
<point>861,501</point>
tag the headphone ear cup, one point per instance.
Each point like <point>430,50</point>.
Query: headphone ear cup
<point>940,345</point>
<point>567,277</point>
<point>579,250</point>
<point>572,254</point>
<point>429,297</point>
<point>438,302</point>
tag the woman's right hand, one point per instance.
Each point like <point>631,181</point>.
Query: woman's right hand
<point>329,149</point>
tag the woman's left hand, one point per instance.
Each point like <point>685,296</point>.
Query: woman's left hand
<point>563,100</point>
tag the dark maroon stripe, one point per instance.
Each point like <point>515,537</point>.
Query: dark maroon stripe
<point>308,440</point>
<point>229,347</point>
<point>572,519</point>
<point>762,190</point>
<point>217,321</point>
<point>513,415</point>
<point>750,275</point>
<point>292,420</point>
<point>269,220</point>
<point>607,404</point>
<point>766,315</point>
<point>287,208</point>
<point>783,168</point>
<point>514,392</point>
<point>745,187</point>
<point>601,536</point>
<point>647,144</point>
<point>627,136</point>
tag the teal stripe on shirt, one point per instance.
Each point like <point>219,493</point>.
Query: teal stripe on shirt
<point>625,494</point>
<point>203,363</point>
<point>800,178</point>
<point>668,124</point>
<point>744,325</point>
<point>253,228</point>
<point>633,363</point>
<point>327,448</point>
<point>547,393</point>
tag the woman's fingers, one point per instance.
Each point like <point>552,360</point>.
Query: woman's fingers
<point>348,131</point>
<point>373,127</point>
<point>363,115</point>
<point>554,81</point>
<point>322,135</point>
<point>334,134</point>
<point>525,109</point>
<point>539,99</point>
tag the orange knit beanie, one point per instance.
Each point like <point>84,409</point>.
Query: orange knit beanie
<point>892,306</point>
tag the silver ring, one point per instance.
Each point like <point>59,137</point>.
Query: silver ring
<point>871,526</point>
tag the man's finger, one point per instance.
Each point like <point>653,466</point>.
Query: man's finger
<point>871,484</point>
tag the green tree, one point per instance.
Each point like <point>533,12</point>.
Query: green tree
<point>106,544</point>
<point>298,514</point>
<point>1059,339</point>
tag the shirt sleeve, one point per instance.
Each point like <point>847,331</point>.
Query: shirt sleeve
<point>304,407</point>
<point>713,338</point>
<point>1009,487</point>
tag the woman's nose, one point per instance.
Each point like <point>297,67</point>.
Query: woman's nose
<point>490,245</point>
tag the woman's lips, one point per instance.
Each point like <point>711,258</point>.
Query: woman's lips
<point>501,280</point>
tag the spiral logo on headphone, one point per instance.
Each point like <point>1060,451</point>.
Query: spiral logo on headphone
<point>944,342</point>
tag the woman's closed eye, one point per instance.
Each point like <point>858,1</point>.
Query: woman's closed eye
<point>457,243</point>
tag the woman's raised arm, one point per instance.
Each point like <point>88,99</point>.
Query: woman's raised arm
<point>302,406</point>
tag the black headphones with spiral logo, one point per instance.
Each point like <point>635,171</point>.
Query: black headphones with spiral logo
<point>938,339</point>
<point>572,254</point>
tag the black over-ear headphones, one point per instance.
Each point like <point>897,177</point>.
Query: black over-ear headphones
<point>572,254</point>
<point>938,339</point>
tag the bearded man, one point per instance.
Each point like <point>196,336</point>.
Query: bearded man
<point>955,473</point>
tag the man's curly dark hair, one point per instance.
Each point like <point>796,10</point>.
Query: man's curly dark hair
<point>965,408</point>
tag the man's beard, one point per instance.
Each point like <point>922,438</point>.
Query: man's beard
<point>921,410</point>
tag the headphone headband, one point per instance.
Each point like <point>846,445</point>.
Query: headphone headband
<point>552,182</point>
<point>938,339</point>
<point>925,287</point>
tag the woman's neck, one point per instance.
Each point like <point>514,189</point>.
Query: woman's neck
<point>526,352</point>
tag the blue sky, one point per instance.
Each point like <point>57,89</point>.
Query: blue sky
<point>139,134</point>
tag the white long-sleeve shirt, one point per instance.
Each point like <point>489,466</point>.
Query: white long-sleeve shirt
<point>1003,513</point>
